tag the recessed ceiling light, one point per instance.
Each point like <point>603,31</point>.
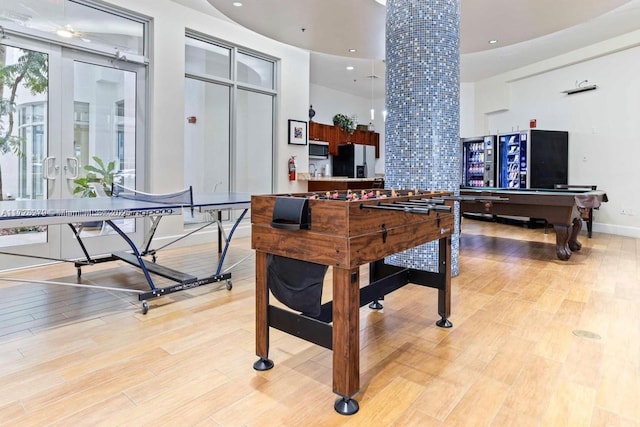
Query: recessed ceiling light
<point>237,3</point>
<point>350,67</point>
<point>382,2</point>
<point>493,41</point>
<point>353,50</point>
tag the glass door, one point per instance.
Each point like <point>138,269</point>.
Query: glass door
<point>25,128</point>
<point>60,111</point>
<point>100,138</point>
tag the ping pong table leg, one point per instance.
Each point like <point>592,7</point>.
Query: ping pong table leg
<point>143,267</point>
<point>227,241</point>
<point>76,233</point>
<point>149,237</point>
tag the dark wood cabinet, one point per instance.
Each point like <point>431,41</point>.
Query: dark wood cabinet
<point>336,136</point>
<point>319,132</point>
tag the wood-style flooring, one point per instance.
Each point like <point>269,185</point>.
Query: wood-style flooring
<point>535,342</point>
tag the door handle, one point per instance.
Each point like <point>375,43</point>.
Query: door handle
<point>72,168</point>
<point>49,164</point>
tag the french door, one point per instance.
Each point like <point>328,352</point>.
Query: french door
<point>85,109</point>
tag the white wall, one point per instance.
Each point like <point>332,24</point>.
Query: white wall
<point>604,142</point>
<point>467,102</point>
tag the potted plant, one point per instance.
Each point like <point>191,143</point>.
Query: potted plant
<point>344,122</point>
<point>98,180</point>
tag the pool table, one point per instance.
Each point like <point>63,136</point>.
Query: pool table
<point>561,208</point>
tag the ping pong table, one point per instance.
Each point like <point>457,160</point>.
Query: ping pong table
<point>125,204</point>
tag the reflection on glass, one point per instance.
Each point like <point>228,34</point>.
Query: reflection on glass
<point>23,134</point>
<point>207,59</point>
<point>206,152</point>
<point>255,71</point>
<point>104,132</point>
<point>254,147</point>
<point>84,26</point>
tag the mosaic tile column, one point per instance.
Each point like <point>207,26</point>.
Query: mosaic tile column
<point>422,142</point>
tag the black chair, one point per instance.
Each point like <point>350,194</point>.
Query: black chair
<point>587,216</point>
<point>378,183</point>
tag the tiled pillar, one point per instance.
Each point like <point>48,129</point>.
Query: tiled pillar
<point>422,129</point>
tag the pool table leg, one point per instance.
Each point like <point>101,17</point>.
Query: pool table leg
<point>574,245</point>
<point>567,239</point>
<point>562,241</point>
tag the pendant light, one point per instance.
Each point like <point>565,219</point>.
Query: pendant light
<point>373,111</point>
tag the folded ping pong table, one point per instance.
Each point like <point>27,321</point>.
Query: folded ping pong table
<point>127,204</point>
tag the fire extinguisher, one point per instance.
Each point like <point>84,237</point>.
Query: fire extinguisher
<point>292,168</point>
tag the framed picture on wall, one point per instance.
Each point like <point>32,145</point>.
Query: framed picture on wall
<point>297,132</point>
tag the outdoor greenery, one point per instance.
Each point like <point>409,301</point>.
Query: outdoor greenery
<point>30,71</point>
<point>344,122</point>
<point>100,176</point>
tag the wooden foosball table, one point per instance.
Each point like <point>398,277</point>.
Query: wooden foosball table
<point>298,236</point>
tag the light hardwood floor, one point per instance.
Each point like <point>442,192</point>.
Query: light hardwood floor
<point>516,355</point>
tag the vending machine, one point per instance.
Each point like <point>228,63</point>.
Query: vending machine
<point>479,161</point>
<point>533,159</point>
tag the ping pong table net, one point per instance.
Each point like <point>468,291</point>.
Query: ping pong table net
<point>183,197</point>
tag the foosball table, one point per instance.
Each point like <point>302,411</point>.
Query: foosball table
<point>296,238</point>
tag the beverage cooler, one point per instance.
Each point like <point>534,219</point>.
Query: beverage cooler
<point>533,159</point>
<point>479,161</point>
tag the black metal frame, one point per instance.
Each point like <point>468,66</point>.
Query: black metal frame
<point>135,258</point>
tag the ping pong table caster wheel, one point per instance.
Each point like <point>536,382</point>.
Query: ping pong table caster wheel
<point>78,272</point>
<point>145,307</point>
<point>229,285</point>
<point>153,258</point>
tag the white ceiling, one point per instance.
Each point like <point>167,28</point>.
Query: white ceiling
<point>527,31</point>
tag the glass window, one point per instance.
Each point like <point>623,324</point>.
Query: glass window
<point>230,123</point>
<point>255,71</point>
<point>23,128</point>
<point>32,151</point>
<point>77,24</point>
<point>207,139</point>
<point>207,59</point>
<point>105,119</point>
<point>254,142</point>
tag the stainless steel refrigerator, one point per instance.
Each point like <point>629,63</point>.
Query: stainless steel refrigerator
<point>479,161</point>
<point>355,161</point>
<point>533,159</point>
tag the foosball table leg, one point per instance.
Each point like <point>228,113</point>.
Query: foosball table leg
<point>346,406</point>
<point>375,305</point>
<point>262,320</point>
<point>444,293</point>
<point>346,339</point>
<point>263,364</point>
<point>444,323</point>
